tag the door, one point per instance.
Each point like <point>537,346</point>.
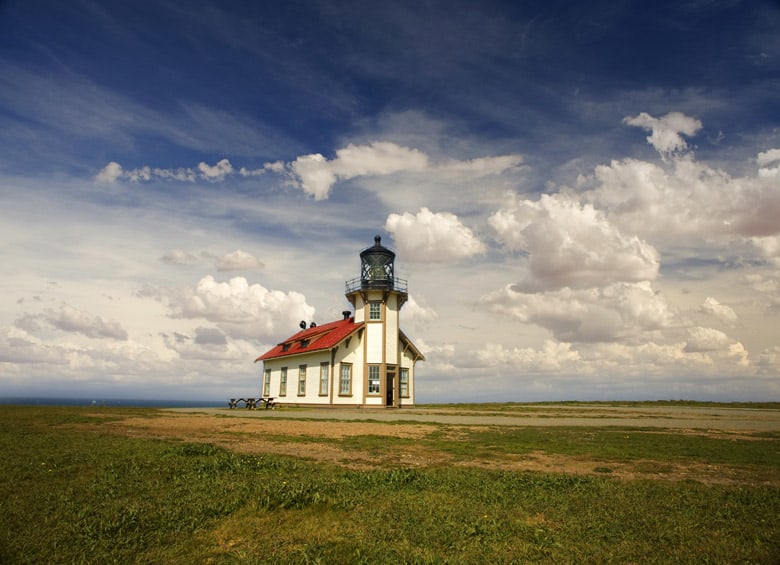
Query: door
<point>390,386</point>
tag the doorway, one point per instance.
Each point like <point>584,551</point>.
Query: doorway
<point>390,385</point>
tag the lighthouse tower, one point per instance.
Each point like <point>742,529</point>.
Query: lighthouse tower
<point>377,297</point>
<point>364,359</point>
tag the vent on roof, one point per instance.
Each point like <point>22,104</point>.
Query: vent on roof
<point>313,325</point>
<point>302,325</point>
<point>346,314</point>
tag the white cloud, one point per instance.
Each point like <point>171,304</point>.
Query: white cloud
<point>479,167</point>
<point>553,356</point>
<point>113,172</point>
<point>761,283</point>
<point>211,346</point>
<point>666,130</point>
<point>616,312</point>
<point>181,174</point>
<point>240,309</point>
<point>216,173</point>
<point>721,311</point>
<point>110,173</point>
<point>275,167</point>
<point>238,260</point>
<point>571,245</point>
<point>377,158</point>
<point>70,319</point>
<point>178,257</point>
<point>417,314</point>
<point>769,247</point>
<point>19,346</point>
<point>685,198</point>
<point>433,237</point>
<point>769,157</point>
<point>316,175</point>
<point>706,339</point>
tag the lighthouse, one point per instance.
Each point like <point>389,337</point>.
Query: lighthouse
<point>363,359</point>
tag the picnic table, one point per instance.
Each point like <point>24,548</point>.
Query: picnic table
<point>252,403</point>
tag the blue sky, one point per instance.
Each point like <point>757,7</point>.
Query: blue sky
<point>583,196</point>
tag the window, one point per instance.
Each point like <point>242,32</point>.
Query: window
<point>301,380</point>
<point>374,310</point>
<point>285,347</point>
<point>345,382</point>
<point>405,383</point>
<point>283,382</point>
<point>304,343</point>
<point>324,379</point>
<point>267,383</point>
<point>373,379</point>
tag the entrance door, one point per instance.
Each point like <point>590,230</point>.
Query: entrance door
<point>390,385</point>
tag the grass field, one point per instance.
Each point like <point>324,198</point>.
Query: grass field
<point>119,485</point>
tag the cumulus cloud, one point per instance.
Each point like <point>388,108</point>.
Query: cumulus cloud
<point>209,336</point>
<point>216,173</point>
<point>110,173</point>
<point>706,339</point>
<point>209,345</point>
<point>761,283</point>
<point>571,245</point>
<point>240,309</point>
<point>316,175</point>
<point>417,314</point>
<point>721,311</point>
<point>666,130</point>
<point>17,345</point>
<point>432,237</point>
<point>238,260</point>
<point>553,356</point>
<point>765,158</point>
<point>616,312</point>
<point>684,198</point>
<point>70,319</point>
<point>769,247</point>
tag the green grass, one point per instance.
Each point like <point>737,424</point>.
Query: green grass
<point>620,444</point>
<point>74,493</point>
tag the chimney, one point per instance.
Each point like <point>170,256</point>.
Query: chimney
<point>346,314</point>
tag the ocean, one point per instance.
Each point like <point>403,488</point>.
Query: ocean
<point>127,402</point>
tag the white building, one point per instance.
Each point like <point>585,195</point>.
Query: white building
<point>361,360</point>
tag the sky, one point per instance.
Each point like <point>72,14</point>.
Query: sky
<point>583,196</point>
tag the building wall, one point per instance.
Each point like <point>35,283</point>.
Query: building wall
<point>350,352</point>
<point>407,362</point>
<point>377,343</point>
<point>391,315</point>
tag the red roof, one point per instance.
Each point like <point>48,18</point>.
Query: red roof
<point>318,338</point>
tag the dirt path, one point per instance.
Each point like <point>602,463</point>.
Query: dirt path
<point>318,435</point>
<point>670,417</point>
